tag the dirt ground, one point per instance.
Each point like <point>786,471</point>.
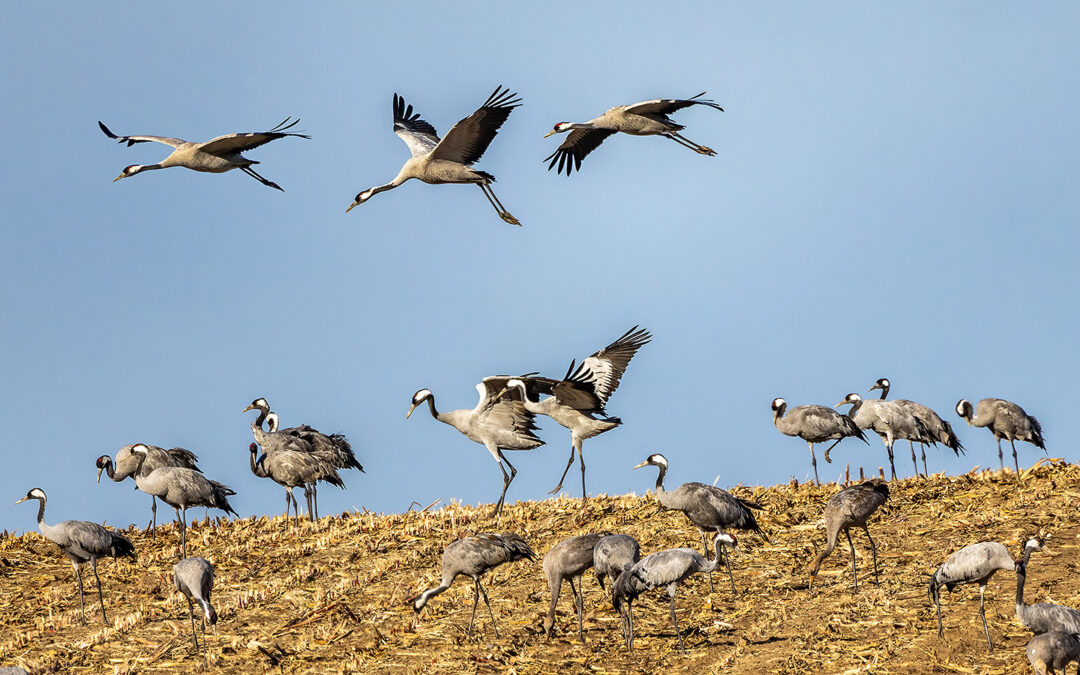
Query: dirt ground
<point>332,596</point>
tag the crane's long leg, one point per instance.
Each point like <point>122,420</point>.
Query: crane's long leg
<point>191,613</point>
<point>497,205</point>
<point>507,478</point>
<point>476,601</point>
<point>182,514</point>
<point>873,552</point>
<point>731,577</point>
<point>577,601</point>
<point>153,510</point>
<point>268,183</point>
<point>630,619</point>
<point>288,501</point>
<point>982,614</point>
<point>82,603</point>
<point>1001,457</point>
<point>565,471</point>
<point>813,460</point>
<point>914,459</point>
<point>827,451</point>
<point>682,140</point>
<point>854,570</point>
<point>556,589</point>
<point>491,613</point>
<point>101,599</point>
<point>581,461</point>
<point>307,498</point>
<point>315,498</point>
<point>937,603</point>
<point>922,449</point>
<point>678,633</point>
<point>892,466</point>
<point>1016,462</point>
<point>705,548</point>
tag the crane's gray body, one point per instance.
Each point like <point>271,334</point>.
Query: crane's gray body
<point>568,560</point>
<point>1042,617</point>
<point>613,555</point>
<point>709,508</point>
<point>851,507</point>
<point>127,464</point>
<point>888,420</point>
<point>82,542</point>
<point>291,469</point>
<point>937,429</point>
<point>814,424</point>
<point>194,578</point>
<point>1006,421</point>
<point>1054,651</point>
<point>474,556</point>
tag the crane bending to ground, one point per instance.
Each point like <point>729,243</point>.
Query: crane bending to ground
<point>851,507</point>
<point>194,578</point>
<point>126,464</point>
<point>217,155</point>
<point>568,560</point>
<point>449,159</point>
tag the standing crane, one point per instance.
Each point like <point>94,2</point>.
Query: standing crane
<point>663,568</point>
<point>938,429</point>
<point>851,507</point>
<point>155,459</point>
<point>1006,420</point>
<point>709,508</point>
<point>499,422</point>
<point>1054,650</point>
<point>973,564</point>
<point>648,118</point>
<point>449,160</point>
<point>887,420</point>
<point>217,155</point>
<point>613,555</point>
<point>474,556</point>
<point>575,401</point>
<point>181,488</point>
<point>1041,617</point>
<point>569,559</point>
<point>814,424</point>
<point>194,577</point>
<point>291,469</point>
<point>82,542</point>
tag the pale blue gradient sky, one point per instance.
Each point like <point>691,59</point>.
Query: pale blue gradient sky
<point>895,194</point>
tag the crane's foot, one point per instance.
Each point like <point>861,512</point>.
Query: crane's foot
<point>505,215</point>
<point>827,455</point>
<point>708,152</point>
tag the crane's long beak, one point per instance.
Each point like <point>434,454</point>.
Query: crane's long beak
<point>117,178</point>
<point>352,206</point>
<point>641,465</point>
<point>99,475</point>
<point>550,133</point>
<point>411,408</point>
<point>250,407</point>
<point>500,394</point>
<point>21,500</point>
<point>840,404</point>
<point>873,388</point>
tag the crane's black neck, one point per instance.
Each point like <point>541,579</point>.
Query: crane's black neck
<point>110,470</point>
<point>660,478</point>
<point>855,405</point>
<point>431,406</point>
<point>884,392</point>
<point>263,412</point>
<point>1021,577</point>
<point>41,512</point>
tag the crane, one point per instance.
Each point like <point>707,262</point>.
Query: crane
<point>181,488</point>
<point>940,431</point>
<point>449,160</point>
<point>1041,617</point>
<point>664,568</point>
<point>569,559</point>
<point>474,556</point>
<point>1054,650</point>
<point>155,458</point>
<point>814,424</point>
<point>1006,420</point>
<point>887,420</point>
<point>217,155</point>
<point>82,542</point>
<point>576,401</point>
<point>194,578</point>
<point>499,422</point>
<point>613,555</point>
<point>851,507</point>
<point>291,469</point>
<point>709,508</point>
<point>647,118</point>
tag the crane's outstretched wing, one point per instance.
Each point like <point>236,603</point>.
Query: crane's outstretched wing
<point>469,138</point>
<point>418,134</point>
<point>507,411</point>
<point>666,106</point>
<point>132,140</point>
<point>239,142</point>
<point>602,371</point>
<point>577,145</point>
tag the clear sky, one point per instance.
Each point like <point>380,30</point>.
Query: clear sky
<point>894,194</point>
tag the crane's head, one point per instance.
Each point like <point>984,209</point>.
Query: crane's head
<point>882,383</point>
<point>253,448</point>
<point>140,450</point>
<point>963,409</point>
<point>258,404</point>
<point>211,614</point>
<point>778,404</point>
<point>102,463</point>
<point>654,460</point>
<point>560,128</point>
<point>360,199</point>
<point>418,398</point>
<point>850,399</point>
<point>129,171</point>
<point>726,539</point>
<point>35,493</point>
<point>272,422</point>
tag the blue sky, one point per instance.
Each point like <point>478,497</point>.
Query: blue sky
<point>894,195</point>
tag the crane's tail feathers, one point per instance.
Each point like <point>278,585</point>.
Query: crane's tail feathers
<point>485,175</point>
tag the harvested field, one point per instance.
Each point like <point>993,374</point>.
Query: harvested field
<point>332,597</point>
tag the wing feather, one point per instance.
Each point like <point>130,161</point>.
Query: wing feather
<point>132,140</point>
<point>666,106</point>
<point>603,370</point>
<point>578,144</point>
<point>418,134</point>
<point>467,140</point>
<point>243,141</point>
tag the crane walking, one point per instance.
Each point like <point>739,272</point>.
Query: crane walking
<point>851,507</point>
<point>888,420</point>
<point>126,463</point>
<point>1005,420</point>
<point>82,542</point>
<point>648,118</point>
<point>814,424</point>
<point>449,160</point>
<point>217,155</point>
<point>291,469</point>
<point>474,556</point>
<point>938,429</point>
<point>194,577</point>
